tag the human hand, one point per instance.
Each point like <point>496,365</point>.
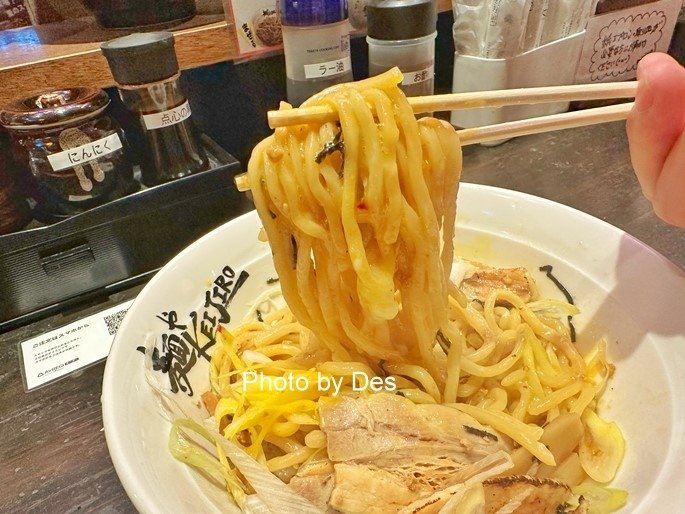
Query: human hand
<point>656,135</point>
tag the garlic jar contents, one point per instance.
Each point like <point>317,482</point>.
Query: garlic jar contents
<point>147,74</point>
<point>75,152</point>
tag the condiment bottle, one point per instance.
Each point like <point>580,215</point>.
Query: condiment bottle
<point>316,44</point>
<point>75,152</point>
<point>402,33</point>
<point>147,73</point>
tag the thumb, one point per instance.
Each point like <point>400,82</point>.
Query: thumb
<point>658,118</point>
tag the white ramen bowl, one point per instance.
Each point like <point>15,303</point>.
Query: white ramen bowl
<point>625,290</point>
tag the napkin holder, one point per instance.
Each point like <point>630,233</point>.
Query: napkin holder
<point>553,64</point>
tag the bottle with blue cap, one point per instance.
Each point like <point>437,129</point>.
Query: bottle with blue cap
<point>316,44</point>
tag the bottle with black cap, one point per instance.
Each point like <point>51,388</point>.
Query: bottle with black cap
<point>147,74</point>
<point>402,33</point>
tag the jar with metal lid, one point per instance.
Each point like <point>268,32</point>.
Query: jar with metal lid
<point>146,70</point>
<point>74,150</point>
<point>402,33</point>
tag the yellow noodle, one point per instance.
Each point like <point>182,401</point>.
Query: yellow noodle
<point>285,429</point>
<point>496,399</point>
<point>345,368</point>
<point>315,439</point>
<point>532,377</point>
<point>290,459</point>
<point>273,350</point>
<point>587,394</point>
<point>555,399</point>
<point>501,366</point>
<point>521,408</point>
<point>454,358</point>
<point>471,386</point>
<point>514,377</point>
<point>418,374</point>
<point>526,435</point>
<point>285,444</point>
<point>362,240</point>
<point>417,395</point>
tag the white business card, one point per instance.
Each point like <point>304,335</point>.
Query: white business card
<point>67,349</point>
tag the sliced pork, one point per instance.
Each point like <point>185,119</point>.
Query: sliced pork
<point>484,280</point>
<point>388,452</point>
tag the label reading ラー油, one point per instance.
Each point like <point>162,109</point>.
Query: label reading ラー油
<point>327,69</point>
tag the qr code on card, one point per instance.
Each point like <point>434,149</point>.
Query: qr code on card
<point>114,320</point>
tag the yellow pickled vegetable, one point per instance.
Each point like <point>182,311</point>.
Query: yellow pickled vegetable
<point>601,499</point>
<point>602,447</point>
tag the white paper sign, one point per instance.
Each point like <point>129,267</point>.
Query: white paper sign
<point>616,41</point>
<point>85,153</point>
<point>71,347</point>
<point>167,118</point>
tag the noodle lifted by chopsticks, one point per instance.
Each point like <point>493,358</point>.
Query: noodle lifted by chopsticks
<point>362,239</point>
<point>360,218</point>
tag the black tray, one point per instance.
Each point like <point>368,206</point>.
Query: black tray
<point>114,246</point>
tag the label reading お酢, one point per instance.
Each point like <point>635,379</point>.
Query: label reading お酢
<point>418,76</point>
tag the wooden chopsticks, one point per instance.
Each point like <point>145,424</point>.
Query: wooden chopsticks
<point>549,123</point>
<point>470,136</point>
<point>453,101</point>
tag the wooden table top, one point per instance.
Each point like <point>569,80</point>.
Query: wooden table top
<point>52,446</point>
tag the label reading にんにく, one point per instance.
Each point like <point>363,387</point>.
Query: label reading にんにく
<point>85,153</point>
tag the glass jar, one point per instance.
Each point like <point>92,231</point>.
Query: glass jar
<point>173,149</point>
<point>147,75</point>
<point>76,153</point>
<point>402,33</point>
